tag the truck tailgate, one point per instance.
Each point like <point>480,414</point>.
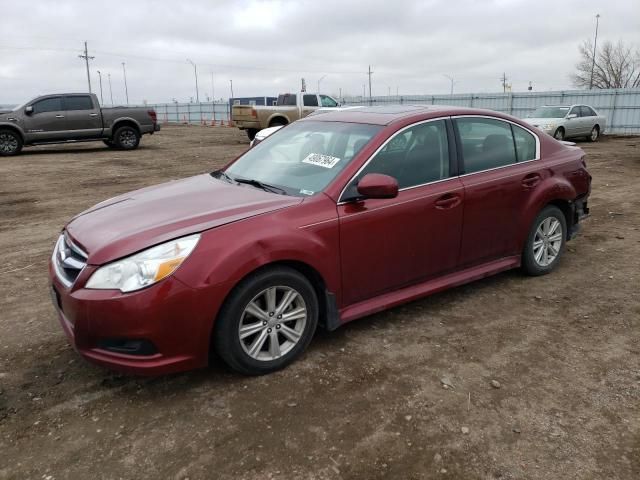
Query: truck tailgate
<point>241,113</point>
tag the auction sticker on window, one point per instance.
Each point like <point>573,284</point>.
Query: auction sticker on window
<point>326,161</point>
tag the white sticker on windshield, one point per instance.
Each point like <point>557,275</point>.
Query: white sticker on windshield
<point>310,192</point>
<point>326,161</point>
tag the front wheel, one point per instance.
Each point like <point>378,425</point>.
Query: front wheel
<point>545,243</point>
<point>267,321</point>
<point>559,134</point>
<point>10,143</point>
<point>126,138</point>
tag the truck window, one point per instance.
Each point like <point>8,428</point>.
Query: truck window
<point>310,100</point>
<point>286,100</point>
<point>327,101</point>
<point>53,104</point>
<point>78,102</point>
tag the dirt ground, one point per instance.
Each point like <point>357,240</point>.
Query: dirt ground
<point>366,401</point>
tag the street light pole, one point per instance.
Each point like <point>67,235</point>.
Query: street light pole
<point>100,78</point>
<point>452,82</point>
<point>110,89</point>
<point>231,83</point>
<point>195,72</point>
<point>319,80</point>
<point>126,89</point>
<point>595,44</point>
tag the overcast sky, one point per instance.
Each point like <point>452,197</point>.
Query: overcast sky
<point>267,46</point>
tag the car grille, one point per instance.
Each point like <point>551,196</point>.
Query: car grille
<point>68,260</point>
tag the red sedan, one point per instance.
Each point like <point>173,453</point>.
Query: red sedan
<point>335,217</point>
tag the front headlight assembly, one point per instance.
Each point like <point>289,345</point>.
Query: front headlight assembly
<point>144,268</point>
<point>548,126</point>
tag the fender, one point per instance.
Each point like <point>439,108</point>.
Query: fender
<point>15,127</point>
<point>109,130</point>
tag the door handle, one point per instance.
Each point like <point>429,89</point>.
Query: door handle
<point>59,116</point>
<point>531,180</point>
<point>448,200</point>
<point>93,114</point>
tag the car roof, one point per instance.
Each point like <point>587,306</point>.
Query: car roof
<point>387,114</point>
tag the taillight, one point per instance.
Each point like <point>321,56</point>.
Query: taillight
<point>254,113</point>
<point>153,115</point>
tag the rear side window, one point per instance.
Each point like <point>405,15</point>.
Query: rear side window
<point>78,103</point>
<point>48,105</point>
<point>525,144</point>
<point>416,156</point>
<point>286,100</point>
<point>328,101</point>
<point>486,143</point>
<point>310,100</point>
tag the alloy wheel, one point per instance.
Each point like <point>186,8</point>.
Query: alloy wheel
<point>547,241</point>
<point>8,143</point>
<point>128,138</point>
<point>594,134</point>
<point>272,323</point>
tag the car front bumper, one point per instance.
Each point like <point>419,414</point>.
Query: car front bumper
<point>164,328</point>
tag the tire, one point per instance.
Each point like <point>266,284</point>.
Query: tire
<point>126,138</point>
<point>546,241</point>
<point>251,133</point>
<point>268,327</point>
<point>109,143</point>
<point>595,134</point>
<point>10,143</point>
<point>559,134</point>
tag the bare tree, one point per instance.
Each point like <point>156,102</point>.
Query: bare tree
<point>616,66</point>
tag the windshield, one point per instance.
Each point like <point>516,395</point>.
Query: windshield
<point>550,112</point>
<point>304,157</point>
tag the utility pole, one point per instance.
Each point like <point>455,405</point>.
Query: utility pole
<point>100,78</point>
<point>504,82</point>
<point>231,83</point>
<point>213,97</point>
<point>126,89</point>
<point>86,58</point>
<point>595,44</point>
<point>340,96</point>
<point>370,72</point>
<point>110,89</point>
<point>452,82</point>
<point>195,72</point>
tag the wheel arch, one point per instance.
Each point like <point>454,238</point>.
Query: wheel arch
<point>122,122</point>
<point>277,117</point>
<point>13,128</point>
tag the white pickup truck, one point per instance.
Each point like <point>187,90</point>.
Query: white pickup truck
<point>289,108</point>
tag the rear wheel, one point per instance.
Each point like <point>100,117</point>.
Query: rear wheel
<point>545,243</point>
<point>267,321</point>
<point>126,138</point>
<point>10,143</point>
<point>251,133</point>
<point>595,134</point>
<point>559,134</point>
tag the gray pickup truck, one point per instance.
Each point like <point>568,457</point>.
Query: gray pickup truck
<point>73,117</point>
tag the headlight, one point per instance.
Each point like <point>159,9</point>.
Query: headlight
<point>144,268</point>
<point>548,126</point>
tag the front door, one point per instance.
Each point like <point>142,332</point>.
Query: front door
<point>47,122</point>
<point>386,244</point>
<point>501,171</point>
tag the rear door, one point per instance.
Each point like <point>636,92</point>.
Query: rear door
<point>386,244</point>
<point>309,103</point>
<point>84,119</point>
<point>47,122</point>
<point>501,171</point>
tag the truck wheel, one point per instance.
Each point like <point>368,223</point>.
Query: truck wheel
<point>251,133</point>
<point>10,143</point>
<point>545,243</point>
<point>267,321</point>
<point>126,138</point>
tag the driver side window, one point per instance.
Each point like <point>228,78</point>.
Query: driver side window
<point>416,156</point>
<point>48,105</point>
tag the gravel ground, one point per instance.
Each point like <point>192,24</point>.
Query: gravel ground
<point>506,378</point>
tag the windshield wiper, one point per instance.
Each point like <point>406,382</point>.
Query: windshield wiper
<point>221,174</point>
<point>264,186</point>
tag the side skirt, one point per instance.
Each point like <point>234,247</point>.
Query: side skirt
<point>414,292</point>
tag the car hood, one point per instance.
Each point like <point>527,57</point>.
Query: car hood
<point>544,121</point>
<point>137,220</point>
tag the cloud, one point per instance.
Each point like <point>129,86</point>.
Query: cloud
<point>267,46</point>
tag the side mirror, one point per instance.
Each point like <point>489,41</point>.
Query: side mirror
<point>28,110</point>
<point>572,115</point>
<point>377,185</point>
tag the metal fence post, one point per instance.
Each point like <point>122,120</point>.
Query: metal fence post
<point>613,110</point>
